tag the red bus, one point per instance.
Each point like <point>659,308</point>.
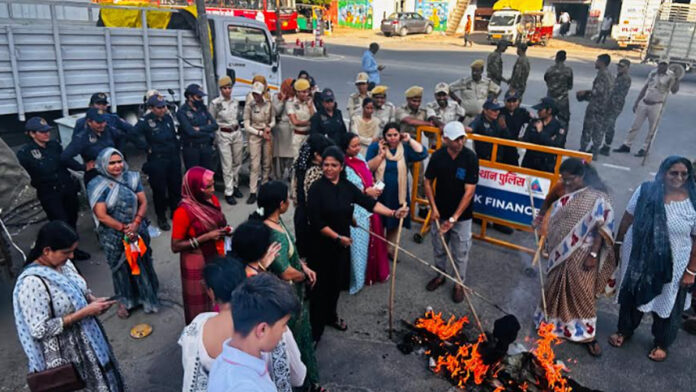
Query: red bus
<point>260,10</point>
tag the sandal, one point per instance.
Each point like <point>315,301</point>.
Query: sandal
<point>317,388</point>
<point>617,339</point>
<point>339,324</point>
<point>594,348</point>
<point>122,312</point>
<point>657,358</point>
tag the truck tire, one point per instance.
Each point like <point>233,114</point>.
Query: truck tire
<point>387,34</point>
<point>403,32</point>
<point>428,29</point>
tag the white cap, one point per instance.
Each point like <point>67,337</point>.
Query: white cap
<point>453,130</point>
<point>258,88</point>
<point>442,87</point>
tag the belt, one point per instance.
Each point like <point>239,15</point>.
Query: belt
<point>301,133</point>
<point>228,129</point>
<point>196,145</point>
<point>650,103</point>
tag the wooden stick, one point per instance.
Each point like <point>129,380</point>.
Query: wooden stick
<point>459,278</point>
<point>540,246</point>
<point>393,275</point>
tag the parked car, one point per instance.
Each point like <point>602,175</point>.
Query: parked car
<point>403,23</point>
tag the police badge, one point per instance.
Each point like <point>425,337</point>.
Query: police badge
<point>36,154</point>
<point>152,123</point>
<point>189,114</point>
<point>92,139</point>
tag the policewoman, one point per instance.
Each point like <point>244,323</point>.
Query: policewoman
<point>163,165</point>
<point>56,189</point>
<point>100,101</point>
<point>197,127</point>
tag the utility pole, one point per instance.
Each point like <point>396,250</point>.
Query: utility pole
<point>204,35</point>
<point>279,31</point>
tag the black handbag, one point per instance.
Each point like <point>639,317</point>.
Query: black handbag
<point>63,378</point>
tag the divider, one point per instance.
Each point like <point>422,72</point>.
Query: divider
<point>501,195</point>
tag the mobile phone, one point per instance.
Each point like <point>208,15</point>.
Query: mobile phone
<point>379,185</point>
<point>114,298</point>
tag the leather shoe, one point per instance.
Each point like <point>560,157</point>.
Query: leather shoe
<point>237,193</point>
<point>251,199</point>
<point>640,153</point>
<point>163,224</point>
<point>623,148</point>
<point>457,294</point>
<point>435,283</point>
<point>604,150</point>
<point>81,255</point>
<point>231,200</point>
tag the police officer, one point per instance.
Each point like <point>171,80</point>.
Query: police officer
<point>546,130</point>
<point>411,115</point>
<point>559,79</point>
<point>197,129</point>
<point>494,64</point>
<point>96,136</point>
<point>385,111</point>
<point>355,100</point>
<point>442,110</point>
<point>520,71</point>
<point>100,101</point>
<point>259,119</point>
<point>594,125</point>
<point>488,123</point>
<point>230,141</point>
<point>471,92</point>
<point>56,189</point>
<point>329,120</point>
<point>514,117</point>
<point>300,110</point>
<point>163,165</point>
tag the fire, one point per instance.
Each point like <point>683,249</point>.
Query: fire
<point>434,324</point>
<point>544,353</point>
<point>467,362</point>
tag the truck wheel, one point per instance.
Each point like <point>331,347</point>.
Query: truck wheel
<point>429,29</point>
<point>387,34</point>
<point>403,32</point>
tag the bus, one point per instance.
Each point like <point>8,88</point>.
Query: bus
<point>261,10</point>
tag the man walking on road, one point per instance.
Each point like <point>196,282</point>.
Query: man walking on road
<point>594,124</point>
<point>471,92</point>
<point>559,79</point>
<point>230,141</point>
<point>520,72</point>
<point>604,30</point>
<point>468,28</point>
<point>455,168</point>
<point>648,106</point>
<point>622,84</point>
<point>494,64</point>
<point>370,66</point>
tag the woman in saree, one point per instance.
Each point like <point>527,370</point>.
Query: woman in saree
<point>198,233</point>
<point>656,240</point>
<point>369,258</point>
<point>581,257</point>
<point>365,125</point>
<point>118,202</point>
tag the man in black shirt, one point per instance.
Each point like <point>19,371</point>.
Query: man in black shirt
<point>515,118</point>
<point>329,120</point>
<point>546,131</point>
<point>455,168</point>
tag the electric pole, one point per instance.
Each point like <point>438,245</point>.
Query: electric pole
<point>279,30</point>
<point>204,35</point>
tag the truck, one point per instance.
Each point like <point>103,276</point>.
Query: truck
<point>54,55</point>
<point>635,22</point>
<point>528,27</point>
<point>673,36</point>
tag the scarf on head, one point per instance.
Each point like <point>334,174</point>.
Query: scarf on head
<point>203,214</point>
<point>402,171</point>
<point>128,180</point>
<point>650,264</point>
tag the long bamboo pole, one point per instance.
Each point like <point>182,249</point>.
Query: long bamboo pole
<point>393,275</point>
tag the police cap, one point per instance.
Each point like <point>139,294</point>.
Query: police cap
<point>156,101</point>
<point>37,124</point>
<point>100,98</point>
<point>379,90</point>
<point>301,85</point>
<point>194,89</point>
<point>96,115</point>
<point>414,91</point>
<point>478,64</point>
<point>225,81</point>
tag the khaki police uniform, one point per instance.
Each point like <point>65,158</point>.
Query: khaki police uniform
<point>452,112</point>
<point>473,94</point>
<point>303,111</point>
<point>229,139</point>
<point>257,117</point>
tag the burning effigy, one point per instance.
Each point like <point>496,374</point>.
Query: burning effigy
<point>474,361</point>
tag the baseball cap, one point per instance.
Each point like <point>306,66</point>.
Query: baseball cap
<point>545,103</point>
<point>96,115</point>
<point>37,124</point>
<point>492,104</point>
<point>327,95</point>
<point>442,87</point>
<point>99,98</point>
<point>258,88</point>
<point>361,78</point>
<point>454,130</point>
<point>194,89</point>
<point>511,94</point>
<point>156,101</point>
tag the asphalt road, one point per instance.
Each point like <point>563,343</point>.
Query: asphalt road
<point>363,358</point>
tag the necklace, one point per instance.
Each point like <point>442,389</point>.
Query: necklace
<point>273,221</point>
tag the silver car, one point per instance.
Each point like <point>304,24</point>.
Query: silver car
<point>403,23</point>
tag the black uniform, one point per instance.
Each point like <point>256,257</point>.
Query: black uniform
<point>482,126</point>
<point>56,189</point>
<point>552,135</point>
<point>514,120</point>
<point>163,164</point>
<point>332,127</point>
<point>197,146</point>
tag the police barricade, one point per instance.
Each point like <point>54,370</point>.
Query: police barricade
<point>503,191</point>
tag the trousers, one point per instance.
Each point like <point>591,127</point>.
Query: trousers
<point>165,180</point>
<point>260,155</point>
<point>610,127</point>
<point>664,331</point>
<point>297,141</point>
<point>230,146</point>
<point>198,155</point>
<point>61,205</point>
<point>643,112</point>
<point>458,239</point>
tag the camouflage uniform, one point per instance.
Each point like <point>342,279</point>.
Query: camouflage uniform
<point>616,103</point>
<point>473,94</point>
<point>520,73</point>
<point>494,67</point>
<point>559,79</point>
<point>594,125</point>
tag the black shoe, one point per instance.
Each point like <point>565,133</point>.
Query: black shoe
<point>640,153</point>
<point>163,224</point>
<point>623,148</point>
<point>231,200</point>
<point>595,156</point>
<point>81,255</point>
<point>251,199</point>
<point>237,193</point>
<point>604,150</point>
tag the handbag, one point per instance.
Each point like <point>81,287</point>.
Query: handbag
<point>63,378</point>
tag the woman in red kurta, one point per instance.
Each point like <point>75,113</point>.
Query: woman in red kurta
<point>198,231</point>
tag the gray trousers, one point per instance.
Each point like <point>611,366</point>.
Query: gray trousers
<point>458,239</point>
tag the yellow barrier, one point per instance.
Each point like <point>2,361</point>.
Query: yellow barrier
<point>418,200</point>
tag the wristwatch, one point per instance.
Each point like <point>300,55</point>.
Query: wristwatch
<point>593,255</point>
<point>452,220</point>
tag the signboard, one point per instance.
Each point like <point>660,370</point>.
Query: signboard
<point>435,11</point>
<point>504,195</point>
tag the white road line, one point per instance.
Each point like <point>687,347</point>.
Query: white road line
<point>624,168</point>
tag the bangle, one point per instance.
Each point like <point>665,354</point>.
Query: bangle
<point>393,213</point>
<point>618,242</point>
<point>690,272</point>
<point>195,242</point>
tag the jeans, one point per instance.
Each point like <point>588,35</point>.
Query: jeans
<point>458,239</point>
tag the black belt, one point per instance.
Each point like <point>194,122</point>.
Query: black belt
<point>196,145</point>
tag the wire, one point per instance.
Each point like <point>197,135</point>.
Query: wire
<point>9,238</point>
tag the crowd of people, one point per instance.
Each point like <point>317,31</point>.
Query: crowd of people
<point>242,286</point>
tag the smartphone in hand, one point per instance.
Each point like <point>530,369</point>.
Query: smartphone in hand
<point>379,185</point>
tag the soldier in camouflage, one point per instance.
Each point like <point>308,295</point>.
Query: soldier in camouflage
<point>622,84</point>
<point>559,79</point>
<point>594,125</point>
<point>494,64</point>
<point>520,72</point>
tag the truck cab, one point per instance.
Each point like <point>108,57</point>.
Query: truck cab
<point>504,26</point>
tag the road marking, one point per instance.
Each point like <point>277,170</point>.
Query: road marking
<point>625,168</point>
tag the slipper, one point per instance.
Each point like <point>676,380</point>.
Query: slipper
<point>317,388</point>
<point>122,312</point>
<point>594,348</point>
<point>655,358</point>
<point>617,339</point>
<point>339,324</point>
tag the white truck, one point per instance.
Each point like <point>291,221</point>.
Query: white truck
<point>673,36</point>
<point>54,55</point>
<point>635,22</point>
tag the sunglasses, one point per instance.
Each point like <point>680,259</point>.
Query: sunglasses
<point>111,163</point>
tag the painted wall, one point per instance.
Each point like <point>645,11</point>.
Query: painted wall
<point>435,10</point>
<point>356,14</point>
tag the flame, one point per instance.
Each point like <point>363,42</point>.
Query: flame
<point>467,362</point>
<point>544,353</point>
<point>499,389</point>
<point>434,324</point>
